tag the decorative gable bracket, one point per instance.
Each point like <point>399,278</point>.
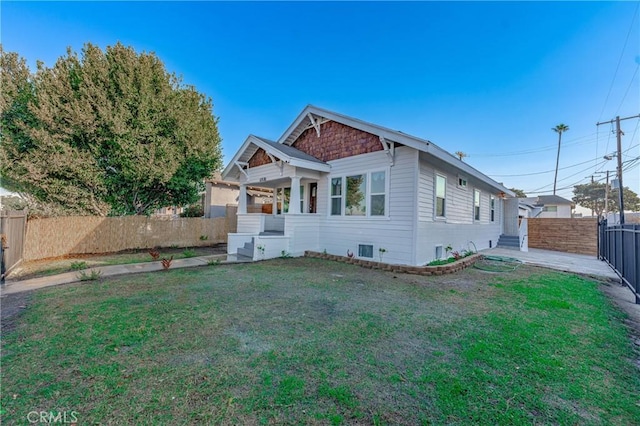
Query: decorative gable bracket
<point>389,149</point>
<point>278,163</point>
<point>241,165</point>
<point>314,123</point>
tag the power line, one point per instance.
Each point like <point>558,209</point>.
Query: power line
<point>565,178</point>
<point>540,189</point>
<point>541,173</point>
<point>571,142</point>
<point>632,137</point>
<point>615,74</point>
<point>628,87</point>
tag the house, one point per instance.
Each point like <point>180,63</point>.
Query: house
<point>344,186</point>
<point>545,206</point>
<point>219,193</point>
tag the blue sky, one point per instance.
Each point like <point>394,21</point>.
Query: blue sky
<point>488,78</point>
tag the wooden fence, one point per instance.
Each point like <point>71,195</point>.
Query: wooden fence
<point>567,235</point>
<point>61,236</point>
<point>12,229</point>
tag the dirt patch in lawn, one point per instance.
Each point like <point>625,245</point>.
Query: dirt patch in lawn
<point>11,307</point>
<point>624,299</point>
<point>46,267</point>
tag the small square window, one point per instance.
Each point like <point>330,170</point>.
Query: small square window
<point>462,182</point>
<point>365,250</point>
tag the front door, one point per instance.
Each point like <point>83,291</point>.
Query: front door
<point>313,196</point>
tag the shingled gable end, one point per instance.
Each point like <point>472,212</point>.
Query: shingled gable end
<point>336,141</point>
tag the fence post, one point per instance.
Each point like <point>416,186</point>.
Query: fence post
<point>636,256</point>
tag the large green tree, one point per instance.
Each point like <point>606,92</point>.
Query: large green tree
<point>592,196</point>
<point>519,192</point>
<point>105,132</point>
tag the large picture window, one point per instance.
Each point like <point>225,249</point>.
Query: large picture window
<point>356,204</point>
<point>441,195</point>
<point>363,194</point>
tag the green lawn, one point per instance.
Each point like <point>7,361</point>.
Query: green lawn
<point>307,341</point>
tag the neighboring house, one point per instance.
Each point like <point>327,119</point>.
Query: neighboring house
<point>346,186</point>
<point>219,193</point>
<point>545,206</point>
<point>171,212</point>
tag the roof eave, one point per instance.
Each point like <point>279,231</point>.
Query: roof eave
<point>394,136</point>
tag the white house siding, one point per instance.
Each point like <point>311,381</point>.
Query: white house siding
<point>303,231</point>
<point>267,172</point>
<point>459,228</point>
<point>563,210</point>
<point>394,232</point>
<point>426,188</point>
<point>250,223</point>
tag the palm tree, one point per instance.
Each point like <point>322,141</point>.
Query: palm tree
<point>559,129</point>
<point>460,155</point>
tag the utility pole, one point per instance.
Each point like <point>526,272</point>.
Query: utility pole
<point>619,134</point>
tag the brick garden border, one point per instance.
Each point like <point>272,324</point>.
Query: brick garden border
<point>449,268</point>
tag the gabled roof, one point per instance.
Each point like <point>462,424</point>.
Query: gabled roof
<point>286,153</point>
<point>545,200</point>
<point>290,151</point>
<point>312,117</point>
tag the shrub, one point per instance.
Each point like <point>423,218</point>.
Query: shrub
<point>77,266</point>
<point>189,253</point>
<point>194,210</point>
<point>91,276</point>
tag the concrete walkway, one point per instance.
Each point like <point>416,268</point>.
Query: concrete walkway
<point>14,286</point>
<point>566,262</point>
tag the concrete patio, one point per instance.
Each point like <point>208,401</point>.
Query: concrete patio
<point>567,262</point>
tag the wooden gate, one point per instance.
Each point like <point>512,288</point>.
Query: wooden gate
<point>12,227</point>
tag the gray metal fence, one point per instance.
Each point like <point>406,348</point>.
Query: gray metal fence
<point>12,227</point>
<point>619,246</point>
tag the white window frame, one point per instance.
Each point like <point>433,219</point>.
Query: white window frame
<point>368,194</point>
<point>492,208</point>
<point>435,196</point>
<point>365,244</point>
<point>477,215</point>
<point>371,193</point>
<point>462,183</point>
<point>332,197</point>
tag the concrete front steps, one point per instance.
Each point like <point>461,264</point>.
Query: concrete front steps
<point>509,241</point>
<point>249,249</point>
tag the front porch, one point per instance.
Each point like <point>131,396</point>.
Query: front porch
<point>266,236</point>
<point>293,225</point>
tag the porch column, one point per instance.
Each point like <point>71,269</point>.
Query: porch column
<point>274,202</point>
<point>294,202</point>
<point>242,200</point>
